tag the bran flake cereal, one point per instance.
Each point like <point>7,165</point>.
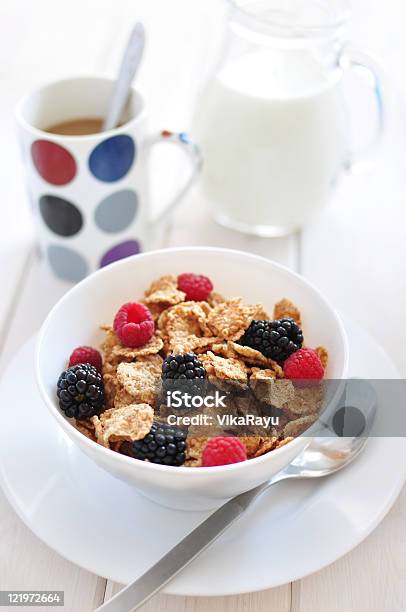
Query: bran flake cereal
<point>323,355</point>
<point>297,427</point>
<point>139,380</point>
<point>253,384</point>
<point>268,389</point>
<point>164,291</point>
<point>129,423</point>
<point>194,451</point>
<point>306,400</point>
<point>229,320</point>
<point>285,308</point>
<point>229,370</point>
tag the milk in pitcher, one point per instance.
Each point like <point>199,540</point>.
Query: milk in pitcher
<point>273,135</point>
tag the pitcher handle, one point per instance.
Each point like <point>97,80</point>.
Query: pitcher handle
<point>181,140</point>
<point>352,58</point>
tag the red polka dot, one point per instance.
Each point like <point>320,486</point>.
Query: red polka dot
<point>54,163</point>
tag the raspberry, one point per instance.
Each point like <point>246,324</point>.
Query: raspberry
<point>196,287</point>
<point>86,354</point>
<point>304,364</point>
<point>133,324</point>
<point>223,450</point>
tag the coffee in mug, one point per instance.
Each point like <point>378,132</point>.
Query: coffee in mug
<point>77,127</point>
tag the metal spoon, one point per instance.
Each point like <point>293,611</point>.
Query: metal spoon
<point>129,65</point>
<point>325,455</point>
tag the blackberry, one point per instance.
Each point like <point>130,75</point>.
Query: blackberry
<point>165,444</point>
<point>275,339</point>
<point>178,370</point>
<point>183,366</point>
<point>80,391</point>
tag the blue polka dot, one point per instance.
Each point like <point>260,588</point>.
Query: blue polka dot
<point>112,158</point>
<point>183,137</point>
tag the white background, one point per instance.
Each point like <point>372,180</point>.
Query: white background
<point>355,251</point>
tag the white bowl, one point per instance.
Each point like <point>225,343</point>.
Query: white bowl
<point>75,321</point>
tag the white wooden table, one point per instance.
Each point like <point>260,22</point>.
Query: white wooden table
<point>355,252</point>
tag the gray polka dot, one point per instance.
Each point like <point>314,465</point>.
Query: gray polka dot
<point>117,211</point>
<point>67,264</point>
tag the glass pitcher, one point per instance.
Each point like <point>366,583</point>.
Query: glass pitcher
<point>272,120</point>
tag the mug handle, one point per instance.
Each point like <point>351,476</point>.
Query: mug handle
<point>353,58</point>
<point>182,140</point>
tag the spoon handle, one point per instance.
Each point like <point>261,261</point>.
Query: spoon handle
<point>129,65</point>
<point>136,594</point>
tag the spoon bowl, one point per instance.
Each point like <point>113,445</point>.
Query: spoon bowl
<point>331,450</point>
<point>324,456</point>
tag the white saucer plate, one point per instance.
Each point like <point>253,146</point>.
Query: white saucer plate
<point>104,526</point>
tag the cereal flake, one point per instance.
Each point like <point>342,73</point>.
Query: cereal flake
<point>194,451</point>
<point>254,357</point>
<point>269,390</point>
<point>215,299</point>
<point>298,426</point>
<point>164,290</point>
<point>152,347</point>
<point>267,445</point>
<point>129,423</point>
<point>306,400</point>
<point>230,370</point>
<point>139,380</point>
<point>286,308</point>
<point>230,319</point>
<point>323,355</point>
<point>86,431</point>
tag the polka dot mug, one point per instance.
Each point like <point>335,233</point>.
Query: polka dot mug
<point>90,194</point>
